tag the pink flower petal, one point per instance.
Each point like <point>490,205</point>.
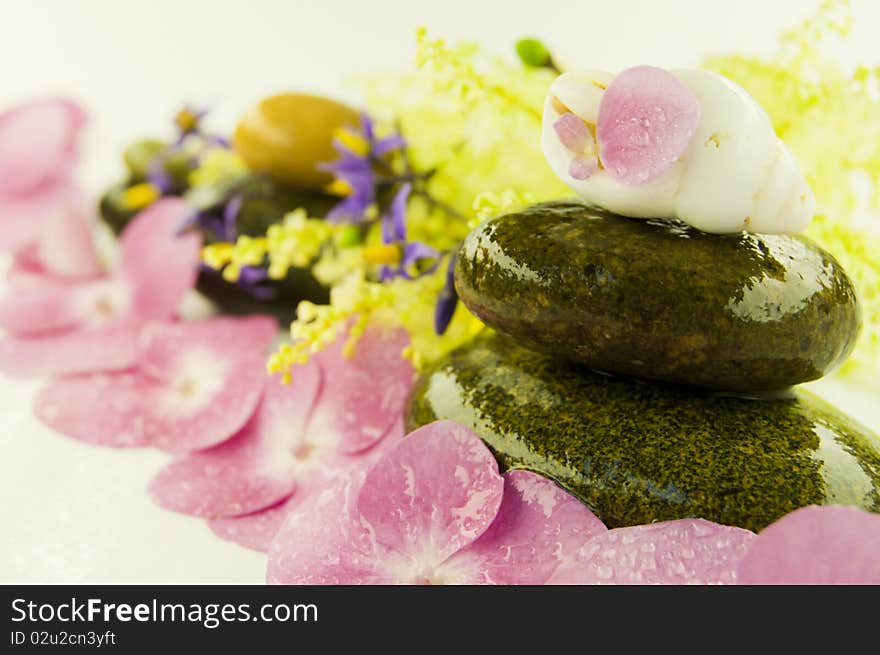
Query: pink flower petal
<point>646,120</point>
<point>194,400</point>
<point>104,409</point>
<point>255,531</point>
<point>22,219</point>
<point>687,551</point>
<point>66,247</point>
<point>251,471</point>
<point>37,304</point>
<point>38,144</point>
<point>160,265</point>
<point>322,543</point>
<point>816,546</point>
<point>573,132</point>
<point>431,495</point>
<point>583,167</point>
<point>102,349</point>
<point>537,527</point>
<point>365,394</point>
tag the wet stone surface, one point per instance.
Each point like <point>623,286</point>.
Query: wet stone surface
<point>660,300</point>
<point>638,452</point>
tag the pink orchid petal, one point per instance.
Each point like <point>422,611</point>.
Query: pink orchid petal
<point>816,546</point>
<point>646,120</point>
<point>583,167</point>
<point>255,531</point>
<point>431,495</point>
<point>38,144</point>
<point>365,394</point>
<point>538,526</point>
<point>66,247</point>
<point>321,543</point>
<point>251,471</point>
<point>160,265</point>
<point>201,398</point>
<point>573,132</point>
<point>686,551</point>
<point>102,349</point>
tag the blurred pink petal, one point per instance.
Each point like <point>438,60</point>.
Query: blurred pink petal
<point>686,551</point>
<point>38,142</point>
<point>65,247</point>
<point>194,386</point>
<point>816,546</point>
<point>101,349</point>
<point>157,269</point>
<point>538,526</point>
<point>160,265</point>
<point>647,117</point>
<point>23,219</point>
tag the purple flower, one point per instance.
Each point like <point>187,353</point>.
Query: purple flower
<point>358,171</point>
<point>394,233</point>
<point>448,299</point>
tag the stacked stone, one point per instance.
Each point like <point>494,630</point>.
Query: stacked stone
<point>650,368</point>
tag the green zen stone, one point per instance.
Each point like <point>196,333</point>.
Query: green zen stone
<point>637,451</point>
<point>660,300</point>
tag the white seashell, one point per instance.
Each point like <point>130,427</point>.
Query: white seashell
<point>735,174</point>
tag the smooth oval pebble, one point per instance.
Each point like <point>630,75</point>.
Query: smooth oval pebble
<point>658,299</point>
<point>288,135</point>
<point>637,452</point>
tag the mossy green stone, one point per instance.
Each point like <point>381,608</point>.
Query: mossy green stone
<point>638,451</point>
<point>660,300</point>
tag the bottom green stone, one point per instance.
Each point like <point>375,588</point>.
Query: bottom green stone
<point>637,452</point>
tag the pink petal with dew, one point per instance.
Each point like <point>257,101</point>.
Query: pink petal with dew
<point>538,526</point>
<point>425,498</point>
<point>365,394</point>
<point>160,264</point>
<point>646,119</point>
<point>323,543</point>
<point>208,377</point>
<point>251,471</point>
<point>104,409</point>
<point>816,546</point>
<point>199,400</point>
<point>255,531</point>
<point>429,496</point>
<point>38,144</point>
<point>66,247</point>
<point>101,349</point>
<point>686,551</point>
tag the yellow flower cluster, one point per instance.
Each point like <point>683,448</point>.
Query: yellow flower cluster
<point>830,118</point>
<point>217,166</point>
<point>296,241</point>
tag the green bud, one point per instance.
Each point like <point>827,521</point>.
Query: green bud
<point>534,53</point>
<point>139,155</point>
<point>349,237</point>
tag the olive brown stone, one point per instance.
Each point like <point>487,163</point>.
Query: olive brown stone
<point>658,299</point>
<point>637,451</point>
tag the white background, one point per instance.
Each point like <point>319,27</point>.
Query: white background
<point>75,513</point>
